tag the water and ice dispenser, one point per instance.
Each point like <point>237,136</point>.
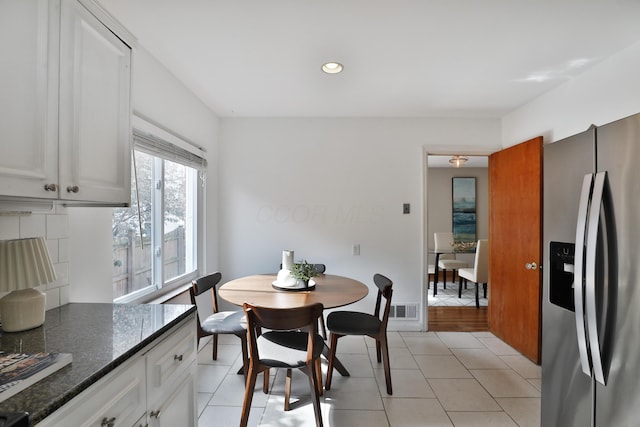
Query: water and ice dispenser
<point>561,256</point>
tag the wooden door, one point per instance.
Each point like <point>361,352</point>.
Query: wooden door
<point>515,232</point>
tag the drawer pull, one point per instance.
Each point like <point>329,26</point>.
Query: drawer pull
<point>108,422</point>
<point>178,358</point>
<point>73,189</point>
<point>50,187</point>
<point>154,414</point>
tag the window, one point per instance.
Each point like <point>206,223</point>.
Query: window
<point>155,242</point>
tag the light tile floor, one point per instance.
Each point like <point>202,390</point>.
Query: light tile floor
<point>439,379</point>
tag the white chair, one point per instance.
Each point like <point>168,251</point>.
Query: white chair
<point>480,271</point>
<point>443,241</point>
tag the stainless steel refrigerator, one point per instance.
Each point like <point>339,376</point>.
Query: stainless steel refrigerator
<point>591,278</point>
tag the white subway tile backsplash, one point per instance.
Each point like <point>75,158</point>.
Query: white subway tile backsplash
<point>53,298</point>
<point>33,225</point>
<point>9,227</point>
<point>63,250</point>
<point>53,247</point>
<point>62,273</point>
<point>57,226</point>
<point>64,295</point>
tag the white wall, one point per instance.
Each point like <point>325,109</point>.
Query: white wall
<point>605,93</point>
<point>318,186</point>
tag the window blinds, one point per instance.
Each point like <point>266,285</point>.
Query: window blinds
<point>155,146</point>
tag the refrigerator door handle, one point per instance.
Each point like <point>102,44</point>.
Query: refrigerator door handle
<point>578,275</point>
<point>590,288</point>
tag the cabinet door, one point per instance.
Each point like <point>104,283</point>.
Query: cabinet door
<point>178,405</point>
<point>171,376</point>
<point>95,109</point>
<point>118,399</point>
<point>28,98</point>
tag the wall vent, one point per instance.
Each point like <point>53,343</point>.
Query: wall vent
<point>404,312</point>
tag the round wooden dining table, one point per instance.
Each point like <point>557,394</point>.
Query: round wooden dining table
<point>330,290</point>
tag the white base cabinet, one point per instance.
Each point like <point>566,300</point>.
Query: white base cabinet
<point>171,373</point>
<point>65,127</point>
<point>155,387</point>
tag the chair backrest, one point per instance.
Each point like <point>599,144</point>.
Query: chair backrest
<point>385,290</point>
<point>282,319</point>
<point>204,284</point>
<point>443,242</point>
<point>481,265</point>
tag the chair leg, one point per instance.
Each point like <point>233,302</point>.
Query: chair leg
<point>444,278</point>
<point>319,376</point>
<point>459,286</point>
<point>332,355</point>
<point>287,391</point>
<point>245,355</point>
<point>248,395</point>
<point>313,383</point>
<point>378,351</point>
<point>323,329</point>
<point>387,366</point>
<point>484,286</point>
<point>265,382</point>
<point>214,340</point>
<point>477,299</point>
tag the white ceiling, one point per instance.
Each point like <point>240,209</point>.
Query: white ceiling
<point>402,58</point>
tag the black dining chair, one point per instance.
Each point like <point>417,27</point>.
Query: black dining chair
<point>220,322</point>
<point>290,341</point>
<point>342,323</point>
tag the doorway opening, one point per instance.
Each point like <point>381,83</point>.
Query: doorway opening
<point>449,309</point>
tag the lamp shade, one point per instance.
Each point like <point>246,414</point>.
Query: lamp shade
<point>24,264</point>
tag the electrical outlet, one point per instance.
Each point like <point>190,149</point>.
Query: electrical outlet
<point>406,208</point>
<point>355,249</point>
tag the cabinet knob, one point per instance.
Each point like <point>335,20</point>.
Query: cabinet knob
<point>154,414</point>
<point>50,187</point>
<point>73,189</point>
<point>177,357</point>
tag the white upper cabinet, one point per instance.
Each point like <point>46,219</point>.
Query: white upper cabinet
<point>28,98</point>
<point>65,122</point>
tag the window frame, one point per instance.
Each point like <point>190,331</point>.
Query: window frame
<point>175,149</point>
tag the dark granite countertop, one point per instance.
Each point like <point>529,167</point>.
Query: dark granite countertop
<point>99,336</point>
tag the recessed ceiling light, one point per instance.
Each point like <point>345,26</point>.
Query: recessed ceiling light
<point>332,67</point>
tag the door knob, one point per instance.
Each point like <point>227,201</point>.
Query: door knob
<point>531,266</point>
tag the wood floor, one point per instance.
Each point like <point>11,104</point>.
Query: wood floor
<point>458,319</point>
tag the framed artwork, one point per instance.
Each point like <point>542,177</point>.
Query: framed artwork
<point>464,209</point>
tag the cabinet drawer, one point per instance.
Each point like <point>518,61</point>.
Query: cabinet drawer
<point>171,357</point>
<point>118,399</point>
